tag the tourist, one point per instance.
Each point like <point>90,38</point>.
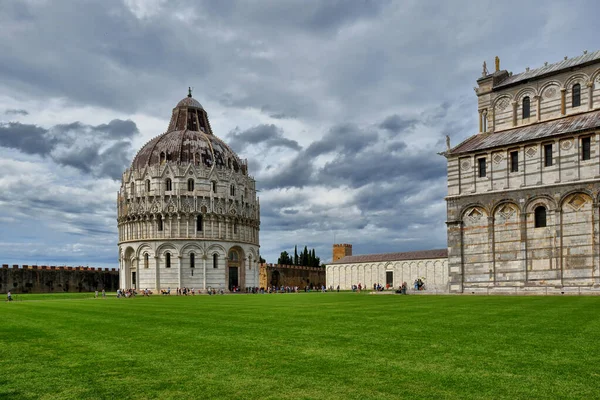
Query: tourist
<point>103,293</point>
<point>338,288</point>
<point>96,294</point>
<point>8,296</point>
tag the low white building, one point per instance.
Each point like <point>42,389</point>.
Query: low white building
<point>188,214</point>
<point>388,269</point>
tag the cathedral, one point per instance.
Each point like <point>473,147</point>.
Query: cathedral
<point>188,214</point>
<point>523,213</point>
<point>522,204</point>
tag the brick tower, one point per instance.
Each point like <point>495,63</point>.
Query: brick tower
<point>341,251</point>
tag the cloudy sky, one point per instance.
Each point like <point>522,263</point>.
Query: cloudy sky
<point>339,106</point>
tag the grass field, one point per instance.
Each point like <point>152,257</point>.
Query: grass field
<point>307,346</point>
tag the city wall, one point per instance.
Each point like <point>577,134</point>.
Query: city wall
<point>52,279</point>
<point>290,275</point>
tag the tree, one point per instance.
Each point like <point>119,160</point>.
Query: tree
<point>284,258</point>
<point>296,255</point>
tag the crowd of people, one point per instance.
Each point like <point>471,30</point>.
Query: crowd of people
<point>419,284</point>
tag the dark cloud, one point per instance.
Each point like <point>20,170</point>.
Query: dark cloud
<point>29,139</point>
<point>297,173</point>
<point>266,135</point>
<point>346,139</point>
<point>94,150</point>
<point>396,124</point>
<point>15,111</point>
<point>117,129</point>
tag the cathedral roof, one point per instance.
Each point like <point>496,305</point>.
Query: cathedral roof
<point>550,69</point>
<point>409,255</point>
<point>189,139</point>
<point>570,124</point>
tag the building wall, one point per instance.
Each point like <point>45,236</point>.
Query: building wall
<point>503,108</point>
<point>155,275</point>
<point>433,271</point>
<point>45,279</point>
<point>567,166</point>
<point>290,275</point>
<point>494,244</point>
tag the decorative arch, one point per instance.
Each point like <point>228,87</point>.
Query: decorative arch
<point>571,193</point>
<point>549,84</point>
<point>503,202</point>
<point>498,99</point>
<point>216,248</point>
<point>475,216</point>
<point>544,200</point>
<point>469,206</point>
<point>595,75</point>
<point>528,91</point>
<point>167,247</point>
<point>580,78</point>
<point>506,212</point>
<point>144,247</point>
<point>192,247</point>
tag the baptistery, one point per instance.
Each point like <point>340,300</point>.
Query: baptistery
<point>188,214</point>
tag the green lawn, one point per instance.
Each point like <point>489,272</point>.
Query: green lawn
<point>300,346</point>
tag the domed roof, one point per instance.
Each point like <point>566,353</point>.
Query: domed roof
<point>189,139</point>
<point>189,101</point>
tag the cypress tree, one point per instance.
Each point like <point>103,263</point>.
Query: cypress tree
<point>296,255</point>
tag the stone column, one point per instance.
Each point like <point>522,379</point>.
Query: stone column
<point>455,257</point>
<point>179,257</point>
<point>204,272</point>
<point>563,101</point>
<point>157,274</point>
<point>538,107</point>
<point>595,241</point>
<point>523,229</point>
<point>590,86</point>
<point>558,234</point>
<point>514,113</point>
<point>137,273</point>
<point>480,121</point>
<point>491,249</point>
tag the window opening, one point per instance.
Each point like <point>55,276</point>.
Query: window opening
<point>215,260</point>
<point>190,185</point>
<point>160,223</point>
<point>199,223</point>
<point>540,217</point>
<point>192,260</point>
<point>148,185</point>
<point>526,107</point>
<point>548,155</point>
<point>586,148</point>
<point>576,95</point>
<point>168,260</point>
<point>514,161</point>
<point>168,185</point>
<point>481,162</point>
<point>146,260</point>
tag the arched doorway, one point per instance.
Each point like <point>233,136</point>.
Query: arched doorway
<point>233,266</point>
<point>130,269</point>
